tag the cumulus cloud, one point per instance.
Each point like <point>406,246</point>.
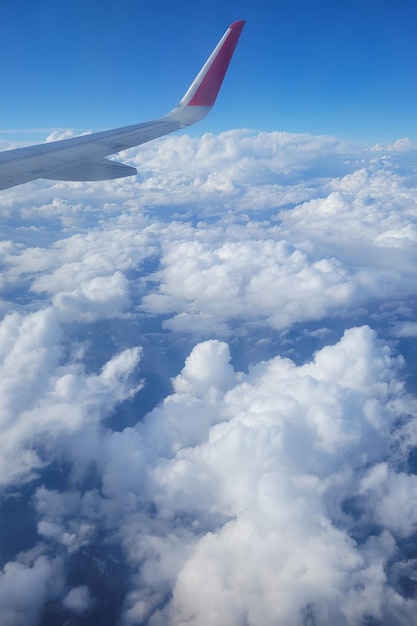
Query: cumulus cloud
<point>57,135</point>
<point>208,363</point>
<point>25,585</point>
<point>78,599</point>
<point>261,529</point>
<point>98,298</point>
<point>399,145</point>
<point>42,398</point>
<point>237,153</point>
<point>266,482</point>
<point>343,248</point>
<point>267,279</point>
<point>326,243</point>
<point>62,518</point>
<point>263,464</point>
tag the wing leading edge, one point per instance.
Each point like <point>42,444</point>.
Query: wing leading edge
<point>84,158</point>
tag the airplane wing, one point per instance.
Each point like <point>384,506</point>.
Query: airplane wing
<point>84,158</point>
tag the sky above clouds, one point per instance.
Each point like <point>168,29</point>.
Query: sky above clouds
<point>318,66</point>
<point>208,383</point>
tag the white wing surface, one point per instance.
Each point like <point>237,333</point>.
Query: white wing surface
<point>84,158</point>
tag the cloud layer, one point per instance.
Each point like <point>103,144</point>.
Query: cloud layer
<point>203,393</point>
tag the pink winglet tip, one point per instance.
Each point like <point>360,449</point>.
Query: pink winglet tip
<point>238,24</point>
<point>207,91</point>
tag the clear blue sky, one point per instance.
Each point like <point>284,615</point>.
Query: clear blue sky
<point>319,66</point>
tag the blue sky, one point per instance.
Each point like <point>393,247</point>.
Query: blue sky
<point>339,68</point>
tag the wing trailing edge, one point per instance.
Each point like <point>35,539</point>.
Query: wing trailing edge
<point>105,169</point>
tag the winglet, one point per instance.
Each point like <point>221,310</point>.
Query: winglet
<point>202,93</point>
<point>204,89</point>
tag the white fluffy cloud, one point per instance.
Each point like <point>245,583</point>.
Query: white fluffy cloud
<point>279,494</point>
<point>336,232</point>
<point>42,398</point>
<point>98,298</point>
<point>255,513</point>
<point>25,585</point>
<point>399,145</point>
<point>78,599</point>
<point>263,279</point>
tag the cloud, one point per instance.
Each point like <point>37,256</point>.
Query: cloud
<point>238,169</point>
<point>337,251</point>
<point>330,239</point>
<point>399,145</point>
<point>405,329</point>
<point>25,586</point>
<point>266,535</point>
<point>42,398</point>
<point>266,279</point>
<point>207,363</point>
<point>57,135</point>
<point>78,599</point>
<point>62,518</point>
<point>98,298</point>
<point>390,492</point>
<point>264,473</point>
